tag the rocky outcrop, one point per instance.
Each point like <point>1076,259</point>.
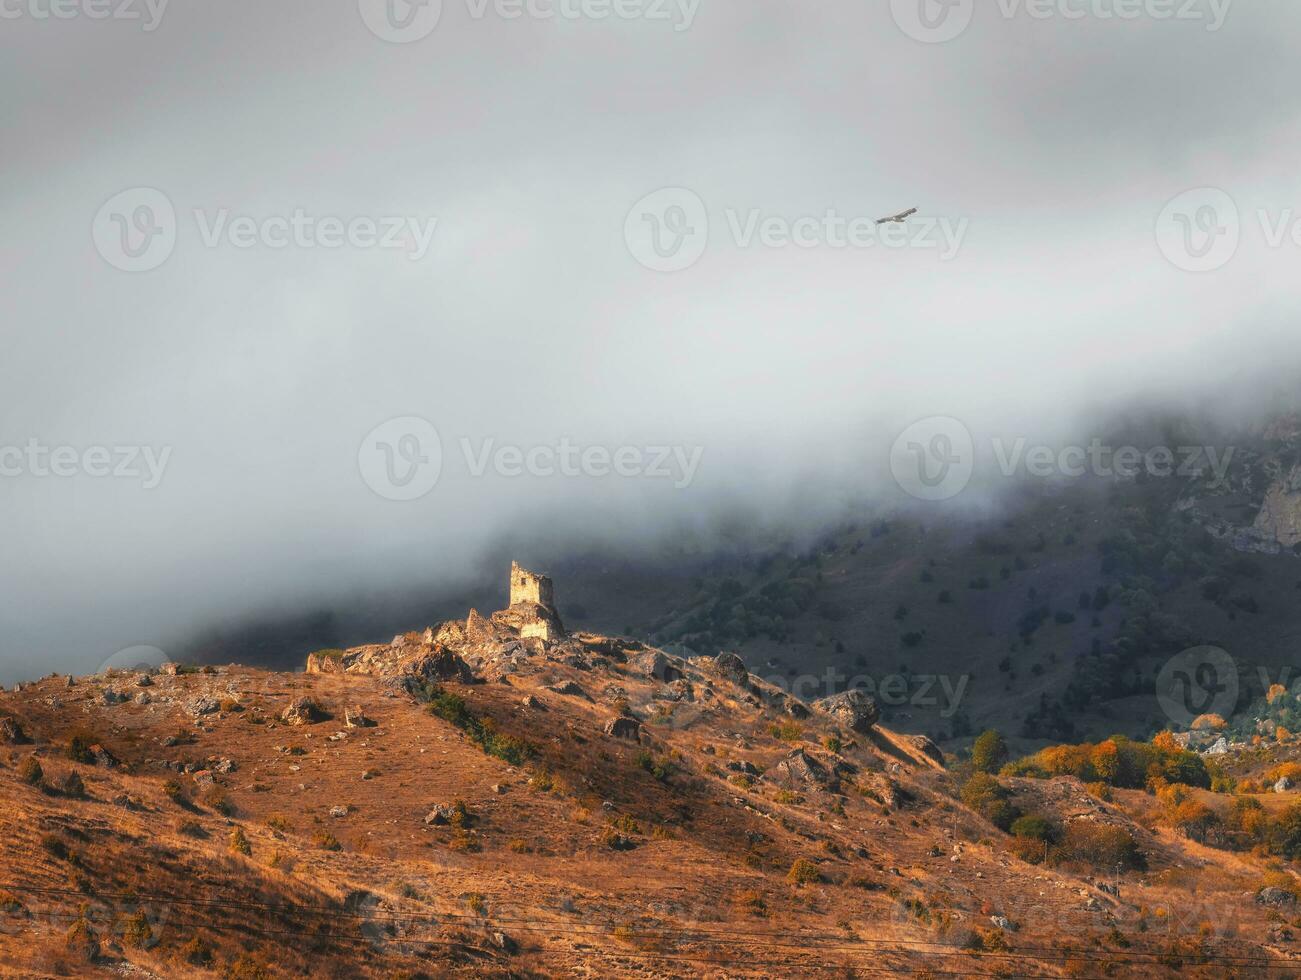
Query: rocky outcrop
<point>732,667</point>
<point>852,709</point>
<point>11,732</point>
<point>625,728</point>
<point>303,711</point>
<point>654,664</point>
<point>1275,897</point>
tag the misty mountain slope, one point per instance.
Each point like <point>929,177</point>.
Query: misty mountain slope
<point>1049,618</point>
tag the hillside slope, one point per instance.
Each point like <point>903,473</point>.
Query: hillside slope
<point>474,801</point>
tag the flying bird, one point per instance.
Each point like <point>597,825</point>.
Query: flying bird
<point>898,218</point>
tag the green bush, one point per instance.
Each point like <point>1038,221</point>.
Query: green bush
<point>988,797</point>
<point>989,752</point>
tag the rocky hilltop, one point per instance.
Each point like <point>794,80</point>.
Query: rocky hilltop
<point>500,797</point>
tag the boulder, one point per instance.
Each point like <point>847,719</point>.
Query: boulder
<point>567,688</point>
<point>1220,747</point>
<point>1274,897</point>
<point>144,680</point>
<point>853,709</point>
<point>733,668</point>
<point>1283,785</point>
<point>626,728</point>
<point>504,943</point>
<point>338,811</point>
<point>802,767</point>
<point>202,705</point>
<point>11,732</point>
<point>654,664</point>
<point>441,664</point>
<point>439,816</point>
<point>355,717</point>
<point>101,756</point>
<point>302,711</point>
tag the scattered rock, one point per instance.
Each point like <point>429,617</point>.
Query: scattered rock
<point>1274,897</point>
<point>302,711</point>
<point>439,816</point>
<point>443,665</point>
<point>101,756</point>
<point>11,732</point>
<point>110,697</point>
<point>733,668</point>
<point>802,767</point>
<point>202,705</point>
<point>627,728</point>
<point>355,717</point>
<point>142,697</point>
<point>504,943</point>
<point>204,777</point>
<point>144,680</point>
<point>567,688</point>
<point>224,766</point>
<point>853,709</point>
<point>654,664</point>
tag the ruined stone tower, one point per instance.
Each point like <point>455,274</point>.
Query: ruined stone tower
<point>525,586</point>
<point>532,609</point>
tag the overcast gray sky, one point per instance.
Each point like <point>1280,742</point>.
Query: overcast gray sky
<point>252,361</point>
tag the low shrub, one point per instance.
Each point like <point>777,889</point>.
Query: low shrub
<point>804,872</point>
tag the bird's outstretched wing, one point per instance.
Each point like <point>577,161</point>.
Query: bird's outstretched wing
<point>900,217</point>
